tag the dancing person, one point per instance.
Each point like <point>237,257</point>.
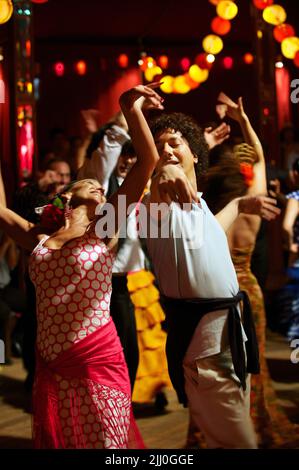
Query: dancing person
<point>109,159</point>
<point>244,173</point>
<point>152,378</point>
<point>82,396</point>
<point>206,341</point>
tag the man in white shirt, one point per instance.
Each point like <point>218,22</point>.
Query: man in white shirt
<point>207,347</point>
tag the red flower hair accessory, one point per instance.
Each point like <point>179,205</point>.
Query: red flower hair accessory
<point>246,169</point>
<point>52,217</point>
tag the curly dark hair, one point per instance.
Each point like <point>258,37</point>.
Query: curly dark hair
<point>190,130</point>
<point>222,183</point>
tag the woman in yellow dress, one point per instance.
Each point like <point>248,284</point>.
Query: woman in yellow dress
<point>152,373</point>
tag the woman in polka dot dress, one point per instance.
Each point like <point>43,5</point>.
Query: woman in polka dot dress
<point>82,396</point>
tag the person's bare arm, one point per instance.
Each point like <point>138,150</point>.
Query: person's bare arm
<point>236,112</point>
<point>256,205</point>
<point>15,226</point>
<point>147,156</point>
<point>2,190</point>
<point>19,229</point>
<point>4,244</point>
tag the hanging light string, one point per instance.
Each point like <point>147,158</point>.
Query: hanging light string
<point>197,72</point>
<point>283,32</point>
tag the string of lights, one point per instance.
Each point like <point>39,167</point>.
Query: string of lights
<point>284,33</point>
<point>196,73</point>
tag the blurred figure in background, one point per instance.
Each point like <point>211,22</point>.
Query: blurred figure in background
<point>244,173</point>
<point>289,146</point>
<point>12,300</point>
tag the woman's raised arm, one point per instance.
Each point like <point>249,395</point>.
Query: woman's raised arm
<point>147,156</point>
<point>236,111</point>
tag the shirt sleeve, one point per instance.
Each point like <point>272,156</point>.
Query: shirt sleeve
<point>104,158</point>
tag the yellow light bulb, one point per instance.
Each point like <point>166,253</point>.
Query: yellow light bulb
<point>212,44</point>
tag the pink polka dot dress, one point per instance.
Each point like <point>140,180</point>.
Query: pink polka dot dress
<point>73,289</point>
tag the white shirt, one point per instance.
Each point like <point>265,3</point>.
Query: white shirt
<point>195,262</point>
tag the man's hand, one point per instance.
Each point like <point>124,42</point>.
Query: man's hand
<point>216,136</point>
<point>171,184</point>
<point>259,205</point>
<point>147,106</point>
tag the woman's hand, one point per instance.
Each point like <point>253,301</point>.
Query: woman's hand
<point>141,95</point>
<point>263,206</point>
<point>231,109</point>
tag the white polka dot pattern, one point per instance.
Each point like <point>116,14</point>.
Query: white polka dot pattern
<point>73,297</point>
<point>73,290</point>
<point>92,415</point>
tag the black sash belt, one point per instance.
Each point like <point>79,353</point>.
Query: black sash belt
<point>182,317</point>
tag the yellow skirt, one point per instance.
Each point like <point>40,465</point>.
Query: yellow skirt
<point>152,373</point>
